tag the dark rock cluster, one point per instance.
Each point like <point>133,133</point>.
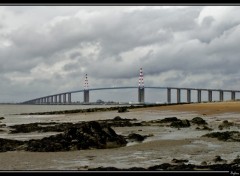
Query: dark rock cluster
<point>120,122</point>
<point>136,137</point>
<point>180,124</point>
<point>122,109</point>
<point>174,167</point>
<point>198,121</point>
<point>81,136</point>
<point>229,136</point>
<point>88,135</point>
<point>9,145</point>
<point>60,127</point>
<point>179,165</point>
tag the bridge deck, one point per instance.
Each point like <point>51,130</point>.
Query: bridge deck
<point>131,87</point>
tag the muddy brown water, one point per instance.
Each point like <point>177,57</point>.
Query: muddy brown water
<point>163,146</point>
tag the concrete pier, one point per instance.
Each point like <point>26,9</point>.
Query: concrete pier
<point>178,95</point>
<point>60,98</point>
<point>209,95</point>
<point>86,96</point>
<point>199,96</point>
<point>233,95</point>
<point>220,95</point>
<point>50,100</point>
<point>169,95</point>
<point>55,99</point>
<point>64,99</point>
<point>189,95</point>
<point>141,95</point>
<point>69,98</point>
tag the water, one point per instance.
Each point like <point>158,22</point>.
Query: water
<point>187,144</point>
<point>12,116</point>
<point>18,109</point>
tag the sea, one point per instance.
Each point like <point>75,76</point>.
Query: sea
<point>12,112</point>
<point>133,155</point>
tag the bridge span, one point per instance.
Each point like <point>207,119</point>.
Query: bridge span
<point>65,97</point>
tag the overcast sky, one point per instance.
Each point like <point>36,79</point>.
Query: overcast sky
<point>46,50</point>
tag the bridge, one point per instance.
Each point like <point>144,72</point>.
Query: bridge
<point>65,97</point>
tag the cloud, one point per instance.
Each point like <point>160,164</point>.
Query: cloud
<point>48,49</point>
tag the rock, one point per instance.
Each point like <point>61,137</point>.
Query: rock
<point>225,124</point>
<point>179,161</point>
<point>136,137</point>
<point>236,160</point>
<point>104,169</point>
<point>198,121</point>
<point>122,109</point>
<point>206,128</point>
<point>177,167</point>
<point>117,169</point>
<point>9,145</point>
<point>84,136</point>
<point>217,158</point>
<point>180,124</point>
<point>225,136</point>
<point>117,118</point>
<point>169,119</point>
<point>40,127</point>
<point>2,125</point>
<point>204,163</point>
<point>1,118</point>
<point>60,127</point>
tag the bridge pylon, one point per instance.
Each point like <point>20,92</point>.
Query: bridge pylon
<point>141,87</point>
<point>86,91</point>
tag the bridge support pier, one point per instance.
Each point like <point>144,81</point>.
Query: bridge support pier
<point>233,95</point>
<point>64,98</point>
<point>178,95</point>
<point>59,98</point>
<point>209,95</point>
<point>169,95</point>
<point>69,98</point>
<point>141,94</point>
<point>221,95</point>
<point>86,96</point>
<point>55,99</point>
<point>199,96</point>
<point>189,95</point>
<point>49,100</point>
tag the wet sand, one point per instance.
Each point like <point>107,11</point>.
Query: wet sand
<point>201,108</point>
<point>166,143</point>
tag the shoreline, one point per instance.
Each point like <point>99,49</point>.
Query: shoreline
<point>204,108</point>
<point>165,148</point>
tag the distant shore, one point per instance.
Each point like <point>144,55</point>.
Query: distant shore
<point>210,108</point>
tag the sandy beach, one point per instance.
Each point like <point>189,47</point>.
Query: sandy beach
<point>164,145</point>
<point>202,108</point>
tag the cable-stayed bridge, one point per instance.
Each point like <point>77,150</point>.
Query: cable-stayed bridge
<point>66,97</point>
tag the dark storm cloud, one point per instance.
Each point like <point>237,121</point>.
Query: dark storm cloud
<point>45,50</point>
